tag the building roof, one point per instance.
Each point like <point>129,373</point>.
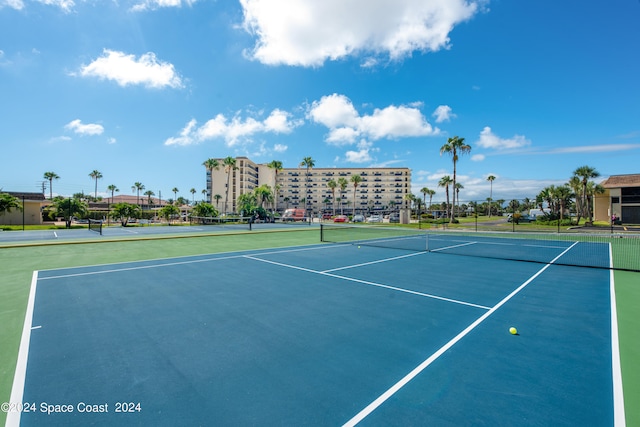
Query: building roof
<point>26,196</point>
<point>619,181</point>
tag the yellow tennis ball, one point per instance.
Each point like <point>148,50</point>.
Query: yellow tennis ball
<point>513,331</point>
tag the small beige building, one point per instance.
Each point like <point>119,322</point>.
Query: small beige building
<point>621,199</point>
<point>30,215</point>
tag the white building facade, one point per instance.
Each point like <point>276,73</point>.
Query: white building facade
<point>380,189</point>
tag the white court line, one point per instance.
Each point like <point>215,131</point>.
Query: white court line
<point>421,367</point>
<point>214,257</point>
<point>55,234</point>
<point>372,262</point>
<point>454,246</point>
<point>618,395</point>
<point>17,390</point>
<point>365,282</point>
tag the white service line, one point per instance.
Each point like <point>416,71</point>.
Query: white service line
<point>365,282</point>
<point>421,367</point>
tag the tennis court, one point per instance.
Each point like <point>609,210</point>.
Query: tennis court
<point>323,334</point>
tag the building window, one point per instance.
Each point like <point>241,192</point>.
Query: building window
<point>615,200</point>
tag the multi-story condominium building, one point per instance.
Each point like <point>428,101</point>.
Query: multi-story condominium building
<point>379,188</point>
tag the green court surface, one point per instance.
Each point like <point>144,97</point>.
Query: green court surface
<point>345,326</point>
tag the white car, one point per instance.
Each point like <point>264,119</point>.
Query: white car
<point>374,218</point>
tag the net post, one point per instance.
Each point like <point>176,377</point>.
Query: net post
<point>321,232</point>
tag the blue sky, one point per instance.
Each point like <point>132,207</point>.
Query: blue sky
<point>146,90</point>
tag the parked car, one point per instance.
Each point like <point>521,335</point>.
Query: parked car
<point>326,216</point>
<point>293,215</point>
<point>394,217</point>
<point>340,218</point>
<point>357,218</point>
<point>374,218</point>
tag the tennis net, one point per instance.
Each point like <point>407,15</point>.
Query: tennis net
<point>597,250</point>
<point>229,221</point>
<point>95,225</point>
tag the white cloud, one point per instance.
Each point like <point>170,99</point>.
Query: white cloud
<point>14,4</point>
<point>489,140</point>
<point>477,157</point>
<point>236,130</point>
<point>606,148</point>
<point>111,141</point>
<point>78,127</point>
<point>280,148</point>
<point>443,114</point>
<point>65,5</point>
<point>157,4</point>
<point>128,70</point>
<point>309,32</point>
<point>346,125</point>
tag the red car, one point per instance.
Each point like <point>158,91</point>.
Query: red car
<point>341,218</point>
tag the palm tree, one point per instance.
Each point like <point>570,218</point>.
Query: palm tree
<point>431,193</point>
<point>490,178</point>
<point>138,187</point>
<point>455,146</point>
<point>457,188</point>
<point>175,191</point>
<point>113,189</point>
<point>585,173</point>
<point>8,202</point>
<point>229,164</point>
<point>355,180</point>
<point>204,194</point>
<point>217,198</point>
<point>332,184</point>
<point>263,194</point>
<point>211,165</point>
<point>149,193</point>
<point>96,174</point>
<point>342,183</point>
<point>51,176</point>
<point>445,181</point>
<point>193,196</point>
<point>308,163</point>
<point>276,165</point>
<point>424,191</point>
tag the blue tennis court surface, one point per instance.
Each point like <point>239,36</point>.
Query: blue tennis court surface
<point>320,335</point>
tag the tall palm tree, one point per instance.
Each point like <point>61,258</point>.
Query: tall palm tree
<point>444,182</point>
<point>431,193</point>
<point>490,178</point>
<point>332,184</point>
<point>96,175</point>
<point>204,194</point>
<point>355,180</point>
<point>276,165</point>
<point>342,183</point>
<point>424,191</point>
<point>149,193</point>
<point>193,196</point>
<point>217,198</point>
<point>229,164</point>
<point>51,176</point>
<point>137,187</point>
<point>175,191</point>
<point>458,187</point>
<point>113,189</point>
<point>585,173</point>
<point>211,165</point>
<point>454,147</point>
<point>308,163</point>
